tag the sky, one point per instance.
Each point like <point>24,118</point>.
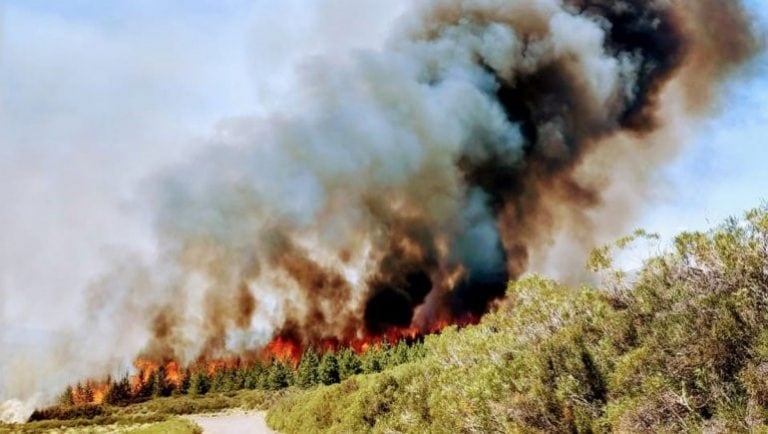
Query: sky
<point>96,97</point>
<point>721,172</point>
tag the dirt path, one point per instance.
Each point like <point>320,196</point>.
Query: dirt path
<point>233,422</point>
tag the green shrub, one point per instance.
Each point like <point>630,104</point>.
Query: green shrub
<point>679,346</point>
<point>68,412</point>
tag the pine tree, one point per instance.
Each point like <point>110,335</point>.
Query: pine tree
<point>306,373</point>
<point>253,378</point>
<point>238,378</point>
<point>399,354</point>
<point>349,364</point>
<point>145,388</point>
<point>371,361</point>
<point>385,355</point>
<point>199,384</point>
<point>159,386</point>
<point>228,380</point>
<point>85,393</point>
<point>66,398</point>
<point>217,382</point>
<point>416,351</point>
<point>328,371</point>
<point>279,375</point>
<point>183,388</point>
<point>119,392</point>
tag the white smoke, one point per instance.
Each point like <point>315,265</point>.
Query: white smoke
<point>387,124</point>
<point>369,138</point>
<point>82,122</point>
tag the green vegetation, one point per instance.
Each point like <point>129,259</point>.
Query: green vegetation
<point>681,345</point>
<point>254,386</point>
<point>159,413</point>
<point>105,424</point>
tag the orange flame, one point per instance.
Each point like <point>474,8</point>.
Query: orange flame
<point>92,392</point>
<point>217,365</point>
<point>282,347</point>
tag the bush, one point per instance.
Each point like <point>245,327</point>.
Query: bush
<point>68,412</point>
<point>679,347</point>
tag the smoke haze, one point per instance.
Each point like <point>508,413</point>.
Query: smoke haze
<point>404,186</point>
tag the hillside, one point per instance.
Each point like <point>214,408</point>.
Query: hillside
<point>680,346</point>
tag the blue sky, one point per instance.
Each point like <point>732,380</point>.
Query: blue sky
<point>96,96</point>
<point>722,171</point>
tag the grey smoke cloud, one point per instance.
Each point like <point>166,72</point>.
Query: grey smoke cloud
<point>89,108</point>
<point>481,133</point>
<point>467,137</point>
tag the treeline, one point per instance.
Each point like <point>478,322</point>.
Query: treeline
<point>313,368</point>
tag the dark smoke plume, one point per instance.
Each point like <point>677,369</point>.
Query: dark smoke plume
<point>413,183</point>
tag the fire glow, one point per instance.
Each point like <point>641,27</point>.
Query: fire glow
<point>283,349</point>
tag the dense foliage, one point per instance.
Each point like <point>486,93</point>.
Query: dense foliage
<point>679,345</point>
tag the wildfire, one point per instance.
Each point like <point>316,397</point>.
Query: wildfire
<point>91,392</point>
<point>211,367</point>
<point>145,370</point>
<point>287,349</point>
<point>284,349</point>
<point>173,374</point>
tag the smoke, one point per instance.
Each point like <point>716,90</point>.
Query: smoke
<point>407,186</point>
<point>410,184</point>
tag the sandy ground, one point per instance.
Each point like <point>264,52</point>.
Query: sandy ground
<point>233,422</point>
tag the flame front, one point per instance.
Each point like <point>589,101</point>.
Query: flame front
<point>281,348</point>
